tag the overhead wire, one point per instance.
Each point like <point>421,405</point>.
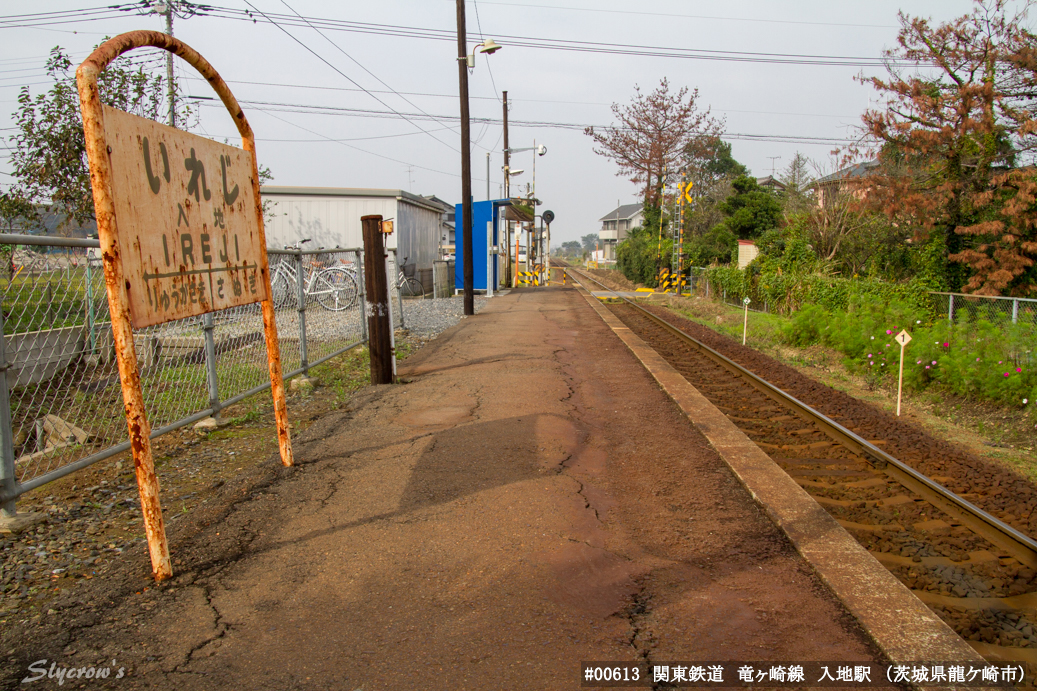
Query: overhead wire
<point>482,37</point>
<point>675,15</point>
<point>567,44</point>
<point>358,64</point>
<point>357,148</point>
<point>351,80</point>
<point>274,106</point>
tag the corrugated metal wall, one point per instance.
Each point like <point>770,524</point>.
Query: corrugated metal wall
<point>335,222</point>
<point>328,221</point>
<point>418,233</point>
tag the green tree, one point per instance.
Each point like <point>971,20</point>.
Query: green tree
<point>573,248</point>
<point>750,210</point>
<point>713,247</point>
<point>49,155</point>
<point>716,162</point>
<point>590,241</point>
<point>797,180</point>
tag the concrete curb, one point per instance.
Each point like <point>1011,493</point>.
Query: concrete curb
<point>902,627</point>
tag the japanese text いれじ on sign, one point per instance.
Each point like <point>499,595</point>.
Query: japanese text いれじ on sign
<point>186,214</point>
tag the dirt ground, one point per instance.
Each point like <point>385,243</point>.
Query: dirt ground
<point>527,498</point>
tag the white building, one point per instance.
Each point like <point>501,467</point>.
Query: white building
<point>330,217</point>
<point>614,227</point>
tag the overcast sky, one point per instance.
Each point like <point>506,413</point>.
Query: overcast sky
<point>275,73</point>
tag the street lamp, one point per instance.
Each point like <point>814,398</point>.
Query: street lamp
<point>540,151</point>
<point>466,61</point>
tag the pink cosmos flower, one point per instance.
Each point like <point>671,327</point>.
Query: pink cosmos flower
<point>1006,374</point>
<point>934,362</point>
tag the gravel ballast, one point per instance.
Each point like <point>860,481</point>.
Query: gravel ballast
<point>429,317</point>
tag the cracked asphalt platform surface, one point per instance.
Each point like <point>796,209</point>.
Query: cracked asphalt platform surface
<point>527,500</point>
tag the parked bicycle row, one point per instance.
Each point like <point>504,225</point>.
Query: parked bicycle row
<point>333,281</point>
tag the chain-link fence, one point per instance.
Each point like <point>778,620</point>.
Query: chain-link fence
<point>999,311</point>
<point>61,403</point>
<point>701,286</point>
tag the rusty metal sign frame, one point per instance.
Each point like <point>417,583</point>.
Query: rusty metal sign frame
<point>107,225</point>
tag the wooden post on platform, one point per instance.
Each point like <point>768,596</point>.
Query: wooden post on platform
<point>378,325</point>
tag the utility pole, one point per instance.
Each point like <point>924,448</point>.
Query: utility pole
<point>487,176</point>
<point>169,66</point>
<point>507,153</point>
<point>466,163</point>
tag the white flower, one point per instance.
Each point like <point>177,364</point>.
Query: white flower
<point>1025,401</point>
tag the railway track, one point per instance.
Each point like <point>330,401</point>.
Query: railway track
<point>978,573</point>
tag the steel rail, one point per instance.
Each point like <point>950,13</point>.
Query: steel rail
<point>1016,543</point>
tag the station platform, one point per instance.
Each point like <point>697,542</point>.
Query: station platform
<point>527,498</point>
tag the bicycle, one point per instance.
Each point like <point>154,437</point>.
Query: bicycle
<point>334,287</point>
<point>408,285</point>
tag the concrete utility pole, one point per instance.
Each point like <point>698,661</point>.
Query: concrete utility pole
<point>466,163</point>
<point>507,152</point>
<point>169,67</point>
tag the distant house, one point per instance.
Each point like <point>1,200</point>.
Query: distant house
<point>614,227</point>
<point>771,184</point>
<point>747,251</point>
<point>852,178</point>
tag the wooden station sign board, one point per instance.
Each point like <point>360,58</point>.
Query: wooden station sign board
<point>188,233</point>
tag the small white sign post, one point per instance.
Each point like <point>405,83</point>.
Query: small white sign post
<point>745,324</point>
<point>903,338</point>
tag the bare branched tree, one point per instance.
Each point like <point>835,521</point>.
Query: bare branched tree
<point>654,133</point>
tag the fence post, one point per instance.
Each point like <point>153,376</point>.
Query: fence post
<point>210,363</point>
<point>435,282</point>
<point>360,259</point>
<point>399,293</point>
<point>300,294</point>
<point>950,309</point>
<point>1015,311</point>
<point>377,312</point>
<point>9,508</point>
<point>90,306</point>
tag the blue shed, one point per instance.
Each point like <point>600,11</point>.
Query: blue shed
<point>486,218</point>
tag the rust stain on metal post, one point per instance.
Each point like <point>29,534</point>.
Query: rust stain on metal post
<point>378,324</point>
<point>118,302</point>
<point>98,152</point>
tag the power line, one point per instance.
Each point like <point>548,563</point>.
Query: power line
<point>673,15</point>
<point>357,148</point>
<point>273,106</point>
<point>355,61</point>
<point>567,45</point>
<point>482,37</point>
<point>351,80</point>
<point>490,98</point>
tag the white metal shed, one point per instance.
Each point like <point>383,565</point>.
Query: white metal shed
<point>330,217</point>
